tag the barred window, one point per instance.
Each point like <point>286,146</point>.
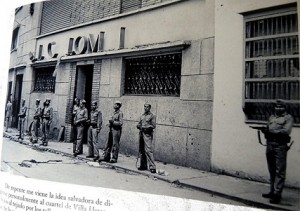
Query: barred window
<point>153,75</point>
<point>271,64</point>
<point>44,81</point>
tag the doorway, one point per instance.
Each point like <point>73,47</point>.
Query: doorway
<point>83,86</point>
<point>17,100</point>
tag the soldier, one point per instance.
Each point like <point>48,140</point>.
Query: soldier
<point>36,122</point>
<point>93,131</point>
<point>111,149</point>
<point>146,126</point>
<point>22,118</point>
<point>47,116</point>
<point>80,119</point>
<point>8,115</point>
<point>277,134</point>
<point>75,109</point>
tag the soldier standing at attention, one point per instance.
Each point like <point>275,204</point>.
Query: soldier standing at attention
<point>36,122</point>
<point>8,115</point>
<point>277,134</point>
<point>80,119</point>
<point>75,109</point>
<point>22,118</point>
<point>47,116</point>
<point>111,149</point>
<point>146,126</point>
<point>93,131</point>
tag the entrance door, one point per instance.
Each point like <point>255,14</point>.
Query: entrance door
<point>84,82</point>
<point>17,100</point>
<point>9,87</point>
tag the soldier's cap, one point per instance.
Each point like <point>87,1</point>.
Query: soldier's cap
<point>118,102</point>
<point>280,102</point>
<point>94,102</point>
<point>48,99</point>
<point>38,100</point>
<point>83,101</point>
<point>146,103</point>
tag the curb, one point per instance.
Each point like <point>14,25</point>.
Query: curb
<point>162,178</point>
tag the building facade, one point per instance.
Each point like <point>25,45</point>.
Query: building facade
<point>143,51</point>
<point>25,29</point>
<point>204,66</point>
<point>256,61</point>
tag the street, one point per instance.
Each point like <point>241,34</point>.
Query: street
<point>31,163</point>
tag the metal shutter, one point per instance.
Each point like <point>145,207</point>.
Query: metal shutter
<point>128,5</point>
<point>56,15</point>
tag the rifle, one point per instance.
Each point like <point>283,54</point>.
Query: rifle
<point>264,128</point>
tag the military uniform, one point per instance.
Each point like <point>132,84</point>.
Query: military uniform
<point>22,118</point>
<point>75,109</point>
<point>47,116</point>
<point>93,131</point>
<point>277,134</point>
<point>80,119</point>
<point>146,126</point>
<point>36,123</point>
<point>8,115</point>
<point>111,150</point>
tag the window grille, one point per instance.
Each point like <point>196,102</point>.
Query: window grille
<point>271,65</point>
<point>44,81</point>
<point>153,75</point>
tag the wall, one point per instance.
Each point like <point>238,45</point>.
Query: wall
<point>235,148</point>
<point>184,124</point>
<point>19,59</point>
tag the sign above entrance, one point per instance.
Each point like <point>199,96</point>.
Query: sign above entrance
<point>77,46</point>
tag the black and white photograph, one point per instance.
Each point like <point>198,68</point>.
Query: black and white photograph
<point>192,99</point>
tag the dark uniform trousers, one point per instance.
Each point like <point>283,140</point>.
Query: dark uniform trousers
<point>145,150</point>
<point>81,116</point>
<point>79,138</point>
<point>276,158</point>
<point>111,150</point>
<point>93,131</point>
<point>21,122</point>
<point>46,129</point>
<point>47,115</point>
<point>93,141</point>
<point>35,128</point>
<point>21,127</point>
<point>36,124</point>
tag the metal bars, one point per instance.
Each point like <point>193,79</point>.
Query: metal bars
<point>153,75</point>
<point>272,26</point>
<point>271,64</point>
<point>44,82</point>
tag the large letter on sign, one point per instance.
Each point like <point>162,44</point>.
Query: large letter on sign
<point>80,45</point>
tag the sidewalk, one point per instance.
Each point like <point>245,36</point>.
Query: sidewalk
<point>242,190</point>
